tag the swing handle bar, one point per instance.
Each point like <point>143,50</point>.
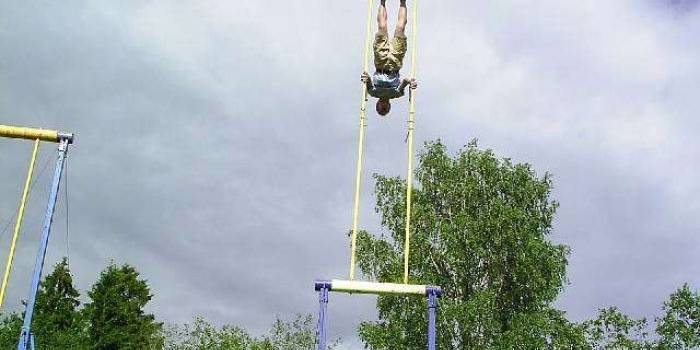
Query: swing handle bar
<point>357,287</point>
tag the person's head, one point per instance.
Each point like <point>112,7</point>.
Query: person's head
<point>383,107</point>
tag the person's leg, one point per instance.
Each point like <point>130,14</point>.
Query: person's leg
<point>403,19</point>
<point>382,19</point>
<point>399,43</point>
<point>382,46</point>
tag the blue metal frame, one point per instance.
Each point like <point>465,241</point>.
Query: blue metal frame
<point>433,294</point>
<point>26,338</point>
<point>324,288</point>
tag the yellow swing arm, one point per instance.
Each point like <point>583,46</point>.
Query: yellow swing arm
<point>360,152</point>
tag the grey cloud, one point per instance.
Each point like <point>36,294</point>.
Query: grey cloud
<point>216,140</point>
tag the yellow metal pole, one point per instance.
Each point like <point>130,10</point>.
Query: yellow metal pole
<point>18,224</point>
<point>17,132</point>
<point>411,127</point>
<point>361,143</point>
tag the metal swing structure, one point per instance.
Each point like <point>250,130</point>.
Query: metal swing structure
<point>26,338</point>
<point>351,286</point>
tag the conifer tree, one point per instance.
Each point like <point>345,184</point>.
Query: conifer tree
<point>116,313</point>
<point>57,321</point>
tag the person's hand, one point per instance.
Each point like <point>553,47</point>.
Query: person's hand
<point>365,77</point>
<point>413,83</point>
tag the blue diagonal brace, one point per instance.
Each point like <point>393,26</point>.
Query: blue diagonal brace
<point>26,338</point>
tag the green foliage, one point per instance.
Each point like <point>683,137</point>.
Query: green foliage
<point>201,335</point>
<point>479,230</point>
<point>10,327</point>
<point>297,334</point>
<point>546,329</point>
<point>58,324</point>
<point>115,320</point>
<point>116,313</point>
<point>679,328</point>
<point>614,330</point>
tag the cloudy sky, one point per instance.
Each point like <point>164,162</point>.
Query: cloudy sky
<point>216,140</point>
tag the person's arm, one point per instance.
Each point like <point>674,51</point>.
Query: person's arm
<point>406,82</point>
<point>368,81</point>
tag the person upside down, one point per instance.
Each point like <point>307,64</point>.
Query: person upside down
<point>386,83</point>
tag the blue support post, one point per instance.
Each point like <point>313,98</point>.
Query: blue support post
<point>323,288</point>
<point>433,294</point>
<point>26,339</point>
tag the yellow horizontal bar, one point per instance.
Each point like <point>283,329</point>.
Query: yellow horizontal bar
<point>377,288</point>
<point>16,132</point>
